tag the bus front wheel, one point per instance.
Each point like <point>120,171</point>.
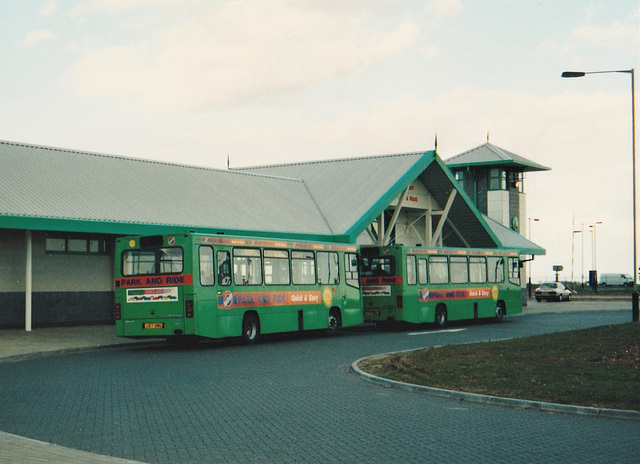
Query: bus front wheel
<point>441,316</point>
<point>250,328</point>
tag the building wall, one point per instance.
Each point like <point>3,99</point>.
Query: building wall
<point>67,288</point>
<point>498,206</point>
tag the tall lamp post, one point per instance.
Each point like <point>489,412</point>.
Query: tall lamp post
<point>594,244</point>
<point>570,74</point>
<point>534,220</point>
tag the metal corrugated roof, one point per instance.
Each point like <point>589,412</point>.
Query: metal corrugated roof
<point>510,239</point>
<point>55,189</point>
<point>354,192</point>
<point>51,183</point>
<point>348,190</point>
<point>491,155</point>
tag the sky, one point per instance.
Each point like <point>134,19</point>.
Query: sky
<point>276,81</point>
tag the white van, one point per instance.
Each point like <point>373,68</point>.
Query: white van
<point>616,279</point>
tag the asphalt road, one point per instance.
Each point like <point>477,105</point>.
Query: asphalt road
<point>293,399</point>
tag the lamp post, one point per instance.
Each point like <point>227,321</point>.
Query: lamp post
<point>573,238</point>
<point>594,260</point>
<point>534,220</point>
<point>570,74</point>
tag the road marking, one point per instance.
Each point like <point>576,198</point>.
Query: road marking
<point>431,332</point>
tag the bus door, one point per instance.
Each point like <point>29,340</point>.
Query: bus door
<point>206,293</point>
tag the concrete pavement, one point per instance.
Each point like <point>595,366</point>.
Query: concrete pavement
<point>16,345</point>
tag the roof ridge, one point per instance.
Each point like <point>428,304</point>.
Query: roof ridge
<point>334,160</point>
<point>499,152</point>
<point>143,160</point>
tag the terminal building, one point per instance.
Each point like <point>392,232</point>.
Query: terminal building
<point>61,211</point>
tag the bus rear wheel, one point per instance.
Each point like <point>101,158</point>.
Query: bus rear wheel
<point>334,321</point>
<point>500,311</point>
<point>441,316</point>
<point>250,328</point>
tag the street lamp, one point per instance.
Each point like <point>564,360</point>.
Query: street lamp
<point>573,238</point>
<point>571,74</point>
<point>594,261</point>
<point>534,220</point>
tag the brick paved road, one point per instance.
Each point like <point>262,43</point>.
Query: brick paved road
<point>293,401</point>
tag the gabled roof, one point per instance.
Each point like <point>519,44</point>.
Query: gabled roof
<point>353,192</point>
<point>510,239</point>
<point>490,155</point>
<point>46,188</point>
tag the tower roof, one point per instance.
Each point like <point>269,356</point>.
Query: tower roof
<point>491,155</point>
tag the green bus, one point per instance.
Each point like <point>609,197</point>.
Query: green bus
<point>184,285</point>
<point>436,285</point>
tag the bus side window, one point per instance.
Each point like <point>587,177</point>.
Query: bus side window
<point>247,266</point>
<point>514,271</point>
<point>276,267</point>
<point>351,270</point>
<point>496,269</point>
<point>458,269</point>
<point>206,265</point>
<point>224,268</point>
<point>328,272</point>
<point>411,270</point>
<point>477,270</point>
<point>438,270</point>
<point>303,268</point>
<point>422,271</point>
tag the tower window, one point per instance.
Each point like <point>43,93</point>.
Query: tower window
<point>497,179</point>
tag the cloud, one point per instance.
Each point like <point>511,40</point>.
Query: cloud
<point>624,34</point>
<point>110,7</point>
<point>49,9</point>
<point>234,52</point>
<point>35,38</point>
<point>445,8</point>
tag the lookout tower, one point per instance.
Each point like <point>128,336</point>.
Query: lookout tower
<point>494,180</point>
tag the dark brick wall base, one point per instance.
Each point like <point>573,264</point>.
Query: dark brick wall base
<point>51,309</point>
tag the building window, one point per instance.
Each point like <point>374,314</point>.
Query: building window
<point>79,244</point>
<point>497,179</point>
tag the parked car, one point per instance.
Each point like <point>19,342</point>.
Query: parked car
<point>552,291</point>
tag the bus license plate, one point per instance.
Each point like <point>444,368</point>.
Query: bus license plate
<point>153,325</point>
<point>372,313</point>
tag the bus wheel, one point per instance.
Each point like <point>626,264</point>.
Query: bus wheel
<point>500,311</point>
<point>250,328</point>
<point>441,316</point>
<point>334,321</point>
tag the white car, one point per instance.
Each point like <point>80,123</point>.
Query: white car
<point>552,291</point>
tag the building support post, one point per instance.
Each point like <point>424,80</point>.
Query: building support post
<point>28,279</point>
<point>437,236</point>
<point>394,218</point>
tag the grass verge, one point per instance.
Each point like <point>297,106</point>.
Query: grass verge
<point>598,367</point>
